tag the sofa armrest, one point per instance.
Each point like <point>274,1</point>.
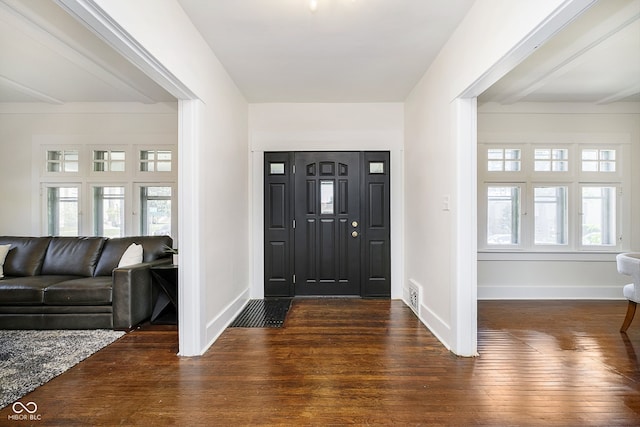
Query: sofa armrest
<point>131,298</point>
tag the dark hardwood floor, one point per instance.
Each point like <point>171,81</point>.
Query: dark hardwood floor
<point>365,362</point>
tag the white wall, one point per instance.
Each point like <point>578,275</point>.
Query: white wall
<point>538,276</point>
<point>213,183</point>
<point>492,33</point>
<point>22,125</point>
<point>323,127</point>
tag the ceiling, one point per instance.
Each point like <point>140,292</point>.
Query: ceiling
<point>47,56</point>
<point>596,59</point>
<point>345,51</point>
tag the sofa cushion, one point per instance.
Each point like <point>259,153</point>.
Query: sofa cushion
<point>153,247</point>
<point>27,290</point>
<point>83,291</point>
<point>75,256</point>
<point>132,256</point>
<point>25,255</point>
<point>4,250</point>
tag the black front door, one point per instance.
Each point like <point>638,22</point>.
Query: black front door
<point>327,225</point>
<point>327,214</point>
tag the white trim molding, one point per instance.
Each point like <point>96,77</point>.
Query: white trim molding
<point>190,298</point>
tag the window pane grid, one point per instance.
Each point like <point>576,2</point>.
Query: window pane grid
<point>551,160</point>
<point>569,211</point>
<point>596,160</point>
<point>155,160</point>
<point>108,161</point>
<point>63,161</point>
<point>503,160</point>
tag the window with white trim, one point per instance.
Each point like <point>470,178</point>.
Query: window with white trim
<point>599,208</point>
<point>109,195</point>
<point>551,197</point>
<point>108,211</point>
<point>503,214</point>
<point>63,209</point>
<point>155,210</point>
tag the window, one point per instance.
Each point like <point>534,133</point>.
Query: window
<point>326,197</point>
<point>63,210</point>
<point>503,215</point>
<point>276,168</point>
<point>107,196</point>
<point>155,160</point>
<point>503,159</point>
<point>598,216</point>
<point>108,161</point>
<point>108,211</point>
<point>551,160</point>
<point>538,197</point>
<point>594,160</point>
<point>155,210</point>
<point>63,161</point>
<point>551,216</point>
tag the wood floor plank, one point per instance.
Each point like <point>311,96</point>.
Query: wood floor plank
<point>366,362</point>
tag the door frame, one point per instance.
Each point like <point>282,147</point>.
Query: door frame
<point>257,214</point>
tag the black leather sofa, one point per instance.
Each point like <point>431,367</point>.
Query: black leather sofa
<point>75,282</point>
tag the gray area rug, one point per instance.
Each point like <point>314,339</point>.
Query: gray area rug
<point>29,359</point>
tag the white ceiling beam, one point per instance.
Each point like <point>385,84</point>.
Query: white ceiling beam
<point>43,32</point>
<point>569,56</point>
<point>625,93</point>
<point>43,97</point>
<point>95,19</point>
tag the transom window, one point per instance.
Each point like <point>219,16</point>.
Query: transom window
<point>108,161</point>
<point>594,160</point>
<point>155,160</point>
<point>503,159</point>
<point>63,161</point>
<point>551,159</point>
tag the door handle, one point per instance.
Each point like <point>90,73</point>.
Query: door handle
<point>354,234</point>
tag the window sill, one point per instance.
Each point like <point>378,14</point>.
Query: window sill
<point>594,256</point>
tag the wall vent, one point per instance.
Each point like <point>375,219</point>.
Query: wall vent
<point>414,297</point>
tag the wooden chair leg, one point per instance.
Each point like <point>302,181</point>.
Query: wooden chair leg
<point>631,311</point>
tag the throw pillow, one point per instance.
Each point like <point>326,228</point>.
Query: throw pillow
<point>133,255</point>
<point>4,250</point>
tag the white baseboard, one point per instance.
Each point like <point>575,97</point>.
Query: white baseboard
<point>431,321</point>
<point>436,325</point>
<point>217,326</point>
<point>550,292</point>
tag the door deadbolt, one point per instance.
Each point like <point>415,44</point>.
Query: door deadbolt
<point>354,224</point>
